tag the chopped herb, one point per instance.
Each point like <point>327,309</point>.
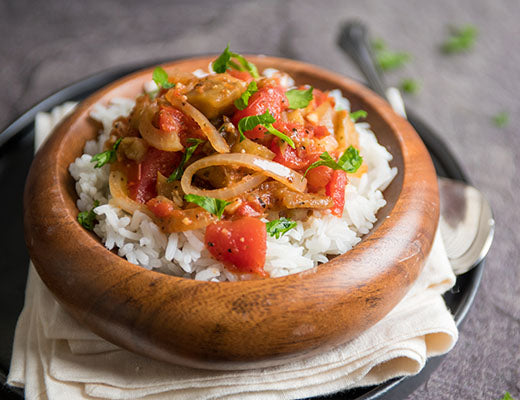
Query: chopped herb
<point>266,120</point>
<point>358,114</point>
<point>350,161</point>
<point>87,219</point>
<point>177,173</point>
<point>225,61</point>
<point>279,227</point>
<point>409,85</point>
<point>210,204</point>
<point>299,98</point>
<point>160,77</point>
<point>107,156</point>
<point>378,44</point>
<point>243,100</point>
<point>460,40</point>
<point>507,396</point>
<point>501,119</point>
<point>388,60</point>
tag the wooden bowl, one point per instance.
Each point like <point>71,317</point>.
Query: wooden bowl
<point>231,325</point>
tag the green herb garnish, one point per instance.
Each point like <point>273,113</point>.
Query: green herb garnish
<point>299,98</point>
<point>87,219</point>
<point>160,77</point>
<point>279,227</point>
<point>388,59</point>
<point>243,100</point>
<point>501,119</point>
<point>210,204</point>
<point>225,61</point>
<point>358,114</point>
<point>107,156</point>
<point>266,120</point>
<point>507,396</point>
<point>177,173</point>
<point>350,161</point>
<point>460,40</point>
<point>409,85</point>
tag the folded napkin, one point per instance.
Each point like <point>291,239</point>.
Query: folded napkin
<point>55,357</point>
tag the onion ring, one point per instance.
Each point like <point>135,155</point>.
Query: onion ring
<point>264,168</point>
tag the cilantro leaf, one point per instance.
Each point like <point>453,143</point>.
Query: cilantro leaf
<point>299,98</point>
<point>378,44</point>
<point>87,219</point>
<point>108,156</point>
<point>177,173</point>
<point>507,396</point>
<point>279,227</point>
<point>358,114</point>
<point>266,120</point>
<point>220,65</point>
<point>501,119</point>
<point>460,40</point>
<point>210,204</point>
<point>224,61</point>
<point>160,77</point>
<point>388,60</point>
<point>243,100</point>
<point>409,85</point>
<point>350,161</point>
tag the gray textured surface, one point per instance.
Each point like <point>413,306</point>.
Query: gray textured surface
<point>47,45</point>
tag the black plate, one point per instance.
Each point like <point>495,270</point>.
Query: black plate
<point>16,153</point>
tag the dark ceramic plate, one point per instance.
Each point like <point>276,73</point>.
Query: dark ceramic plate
<point>16,153</point>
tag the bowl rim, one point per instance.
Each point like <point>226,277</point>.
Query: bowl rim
<point>324,272</point>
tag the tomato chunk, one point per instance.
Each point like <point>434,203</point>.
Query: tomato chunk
<point>249,209</point>
<point>305,152</point>
<point>169,119</point>
<point>336,189</point>
<point>142,177</point>
<point>267,98</point>
<point>162,208</point>
<point>318,178</point>
<point>240,243</point>
<point>242,75</point>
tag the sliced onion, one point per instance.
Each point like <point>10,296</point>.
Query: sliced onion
<point>217,141</point>
<point>265,168</point>
<point>118,189</point>
<point>167,141</point>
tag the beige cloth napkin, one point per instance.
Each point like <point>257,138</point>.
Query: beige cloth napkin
<point>55,357</point>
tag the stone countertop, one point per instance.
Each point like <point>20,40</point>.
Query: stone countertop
<point>45,46</point>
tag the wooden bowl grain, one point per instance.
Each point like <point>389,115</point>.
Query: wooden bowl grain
<point>231,325</point>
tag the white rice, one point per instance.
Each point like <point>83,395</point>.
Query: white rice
<point>141,242</point>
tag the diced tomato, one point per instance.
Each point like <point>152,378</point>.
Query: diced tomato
<point>318,178</point>
<point>336,189</point>
<point>142,177</point>
<point>160,207</point>
<point>319,97</point>
<point>249,209</point>
<point>321,131</point>
<point>240,243</point>
<point>169,119</point>
<point>267,98</point>
<point>305,151</point>
<point>242,75</point>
